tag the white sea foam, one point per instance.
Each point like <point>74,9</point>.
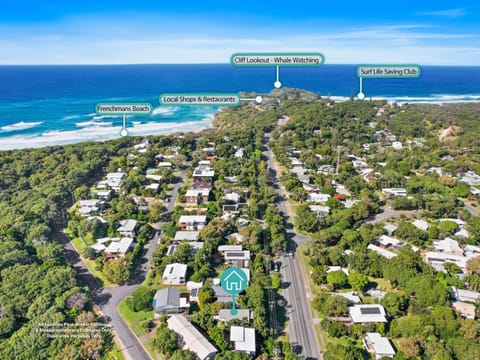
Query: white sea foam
<point>71,117</point>
<point>165,110</point>
<point>92,123</point>
<point>99,133</point>
<point>20,126</point>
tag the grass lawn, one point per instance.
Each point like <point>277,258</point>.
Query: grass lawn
<point>114,354</point>
<point>132,318</point>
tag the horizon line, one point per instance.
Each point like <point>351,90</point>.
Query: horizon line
<point>228,63</point>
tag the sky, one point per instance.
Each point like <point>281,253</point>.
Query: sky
<point>176,31</point>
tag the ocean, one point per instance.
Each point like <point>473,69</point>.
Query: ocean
<point>53,105</point>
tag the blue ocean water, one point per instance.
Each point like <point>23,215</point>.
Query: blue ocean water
<point>46,105</point>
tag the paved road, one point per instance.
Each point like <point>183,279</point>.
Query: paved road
<point>108,299</point>
<point>300,324</point>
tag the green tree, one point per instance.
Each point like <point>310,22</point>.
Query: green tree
<point>357,281</point>
<point>142,299</point>
<point>338,279</point>
<point>165,340</point>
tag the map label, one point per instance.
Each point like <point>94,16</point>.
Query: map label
<point>200,99</point>
<point>277,59</point>
<point>124,109</point>
<point>388,71</point>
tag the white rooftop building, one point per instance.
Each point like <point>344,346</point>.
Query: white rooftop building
<point>318,198</point>
<point>448,246</point>
<point>394,192</point>
<point>192,222</point>
<point>187,235</point>
<point>118,248</point>
<point>465,295</point>
<point>380,251</point>
<point>127,227</point>
<point>175,274</point>
<point>115,180</point>
<point>243,339</point>
<point>368,313</point>
<point>191,338</point>
<point>378,345</point>
<point>421,224</point>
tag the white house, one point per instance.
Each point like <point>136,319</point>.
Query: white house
<point>127,228</point>
<point>119,248</point>
<point>397,145</point>
<point>448,246</point>
<point>190,338</point>
<point>421,224</point>
<point>175,274</point>
<point>318,198</point>
<point>378,345</point>
<point>232,197</point>
<point>115,180</point>
<point>380,251</point>
<point>187,235</point>
<point>192,222</point>
<point>466,310</point>
<point>368,313</point>
<point>465,295</point>
<point>243,339</point>
<point>394,192</point>
<point>90,207</point>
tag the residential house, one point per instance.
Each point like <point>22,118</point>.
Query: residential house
<point>386,241</point>
<point>190,338</point>
<point>469,178</point>
<point>168,301</point>
<point>378,345</point>
<point>390,228</point>
<point>223,248</point>
<point>465,295</point>
<point>221,295</point>
<point>421,224</point>
<point>390,192</point>
<point>320,211</point>
<point>197,196</point>
<point>90,207</point>
<point>225,315</point>
<point>318,198</point>
<point>243,339</point>
<point>102,194</point>
<point>368,313</point>
<point>115,180</point>
<point>187,235</point>
<point>448,246</point>
<point>119,248</point>
<point>237,258</point>
<point>232,197</point>
<point>165,165</point>
<point>175,274</point>
<point>153,188</point>
<point>326,169</point>
<point>466,310</point>
<point>127,228</point>
<point>192,222</point>
<point>351,296</point>
<point>380,251</point>
<point>203,173</point>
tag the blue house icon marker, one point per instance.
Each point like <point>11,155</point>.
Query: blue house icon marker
<point>234,281</point>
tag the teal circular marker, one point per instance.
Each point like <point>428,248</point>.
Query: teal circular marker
<point>234,280</point>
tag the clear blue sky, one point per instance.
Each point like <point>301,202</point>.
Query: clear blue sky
<point>176,31</point>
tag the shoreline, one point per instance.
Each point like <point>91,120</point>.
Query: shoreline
<point>103,133</point>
